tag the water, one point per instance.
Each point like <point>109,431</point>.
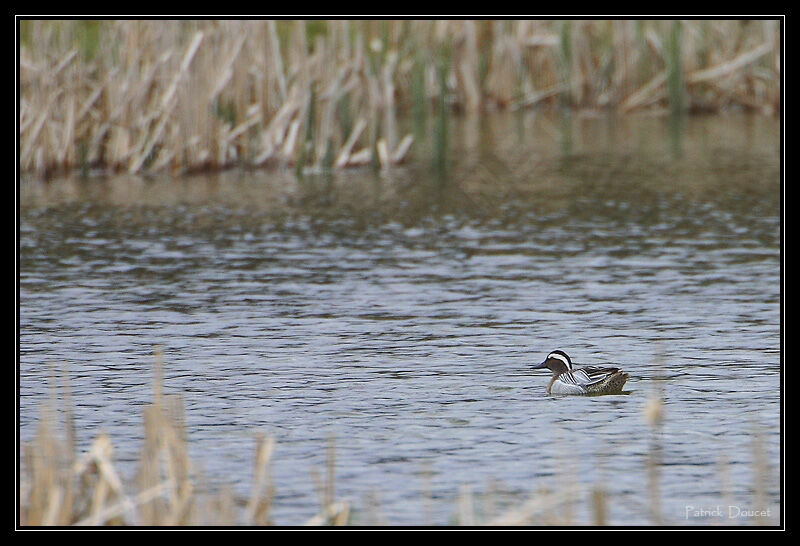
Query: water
<point>399,314</point>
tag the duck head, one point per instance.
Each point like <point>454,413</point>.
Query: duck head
<point>557,361</point>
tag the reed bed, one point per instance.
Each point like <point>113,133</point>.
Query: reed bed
<point>60,487</point>
<point>183,96</point>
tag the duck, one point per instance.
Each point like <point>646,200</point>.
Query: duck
<point>586,380</point>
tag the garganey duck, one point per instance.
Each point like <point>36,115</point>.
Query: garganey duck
<point>587,380</point>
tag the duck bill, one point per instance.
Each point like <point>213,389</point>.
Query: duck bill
<point>539,366</point>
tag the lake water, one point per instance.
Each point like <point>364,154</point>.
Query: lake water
<point>399,313</point>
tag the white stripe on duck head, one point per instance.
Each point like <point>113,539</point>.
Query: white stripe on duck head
<point>557,361</point>
<point>562,356</point>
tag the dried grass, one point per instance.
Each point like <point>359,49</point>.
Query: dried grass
<point>182,96</point>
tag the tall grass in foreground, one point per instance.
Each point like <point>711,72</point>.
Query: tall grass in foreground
<point>181,96</point>
<point>59,487</point>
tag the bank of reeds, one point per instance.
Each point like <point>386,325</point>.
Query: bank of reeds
<point>60,487</point>
<point>182,96</point>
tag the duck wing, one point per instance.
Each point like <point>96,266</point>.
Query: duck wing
<point>589,375</point>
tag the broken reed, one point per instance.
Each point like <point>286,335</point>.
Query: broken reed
<point>182,96</point>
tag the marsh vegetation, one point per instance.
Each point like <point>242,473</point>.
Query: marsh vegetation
<point>188,96</point>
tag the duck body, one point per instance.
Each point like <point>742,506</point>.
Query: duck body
<point>586,380</point>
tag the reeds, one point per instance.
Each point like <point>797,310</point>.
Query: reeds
<point>654,415</point>
<point>182,96</point>
<point>58,487</point>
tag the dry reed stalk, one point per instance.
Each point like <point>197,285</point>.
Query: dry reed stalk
<point>654,416</point>
<point>599,506</point>
<point>343,158</point>
<point>332,512</point>
<point>490,499</point>
<point>727,67</point>
<point>373,516</point>
<point>277,60</point>
<point>644,95</point>
<point>537,506</point>
<point>725,482</point>
<point>402,149</point>
<point>467,66</point>
<point>427,493</point>
<point>383,153</point>
<point>466,507</point>
<point>259,505</point>
<point>330,477</point>
<point>336,514</point>
<point>128,505</point>
<point>760,475</point>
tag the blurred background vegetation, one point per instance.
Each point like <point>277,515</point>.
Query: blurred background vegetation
<point>184,96</point>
